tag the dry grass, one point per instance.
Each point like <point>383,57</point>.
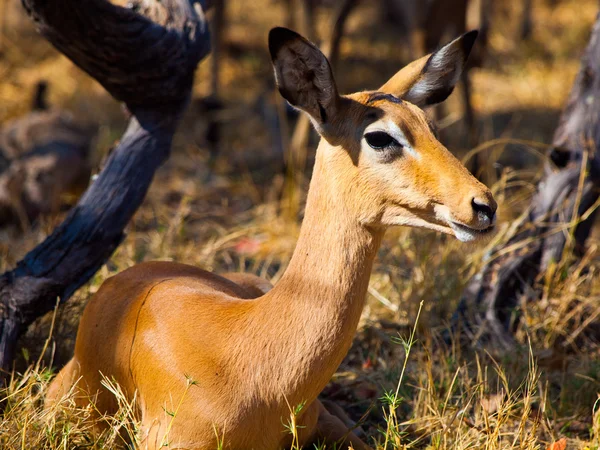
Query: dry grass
<point>244,216</point>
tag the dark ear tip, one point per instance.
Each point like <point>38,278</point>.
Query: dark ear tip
<point>468,40</point>
<point>278,37</point>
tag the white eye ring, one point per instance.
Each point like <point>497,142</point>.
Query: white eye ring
<point>390,128</point>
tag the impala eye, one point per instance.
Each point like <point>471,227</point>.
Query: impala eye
<point>379,140</point>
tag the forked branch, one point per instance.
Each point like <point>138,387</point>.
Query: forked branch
<point>144,56</point>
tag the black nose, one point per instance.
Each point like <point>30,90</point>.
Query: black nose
<point>481,207</point>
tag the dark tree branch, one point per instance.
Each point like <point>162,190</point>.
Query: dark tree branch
<point>145,57</point>
<point>540,240</point>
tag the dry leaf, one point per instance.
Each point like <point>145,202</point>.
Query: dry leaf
<point>561,444</point>
<point>492,403</point>
<point>247,246</point>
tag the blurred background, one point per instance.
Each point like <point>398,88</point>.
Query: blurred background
<point>231,195</point>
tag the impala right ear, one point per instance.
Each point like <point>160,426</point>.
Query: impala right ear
<point>431,79</point>
<point>303,76</point>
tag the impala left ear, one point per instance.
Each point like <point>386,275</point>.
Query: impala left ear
<point>304,77</point>
<point>431,79</point>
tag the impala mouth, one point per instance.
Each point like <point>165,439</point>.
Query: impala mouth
<point>466,233</point>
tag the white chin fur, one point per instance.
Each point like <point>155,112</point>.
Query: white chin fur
<point>464,234</point>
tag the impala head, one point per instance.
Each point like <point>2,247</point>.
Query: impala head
<point>380,147</point>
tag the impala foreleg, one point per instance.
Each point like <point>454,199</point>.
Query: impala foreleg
<point>61,386</point>
<point>334,433</point>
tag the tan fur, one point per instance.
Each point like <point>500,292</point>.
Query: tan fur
<point>254,352</point>
<point>254,285</point>
<point>405,78</point>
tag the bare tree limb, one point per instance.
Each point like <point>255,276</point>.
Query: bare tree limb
<point>146,57</point>
<point>569,188</point>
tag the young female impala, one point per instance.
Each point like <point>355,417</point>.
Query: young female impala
<point>256,352</point>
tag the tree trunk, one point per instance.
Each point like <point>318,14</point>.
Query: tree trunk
<point>553,223</point>
<point>331,49</point>
<point>146,57</point>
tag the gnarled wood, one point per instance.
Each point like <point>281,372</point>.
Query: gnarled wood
<point>146,57</point>
<point>540,239</point>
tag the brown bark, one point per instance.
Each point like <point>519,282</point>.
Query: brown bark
<point>146,57</point>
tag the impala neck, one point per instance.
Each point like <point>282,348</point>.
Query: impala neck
<point>318,302</point>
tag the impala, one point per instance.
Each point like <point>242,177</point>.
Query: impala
<point>255,351</point>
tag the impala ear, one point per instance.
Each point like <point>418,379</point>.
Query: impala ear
<point>303,76</point>
<point>431,79</point>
